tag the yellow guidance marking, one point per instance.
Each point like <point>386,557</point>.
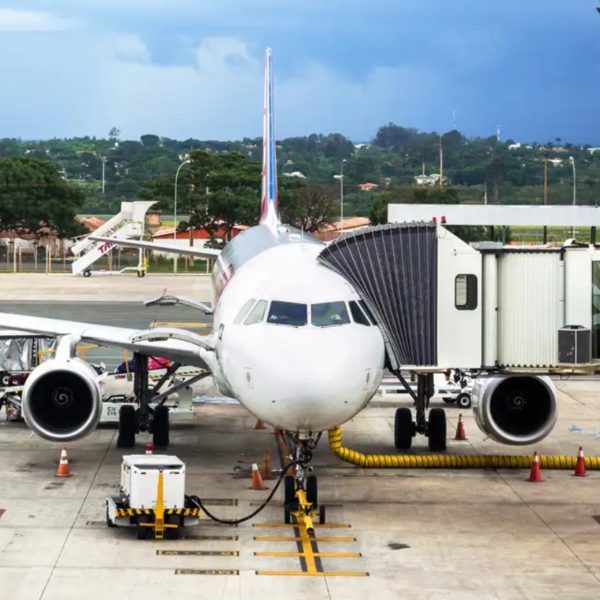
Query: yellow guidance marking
<point>318,573</point>
<point>316,525</point>
<point>271,538</point>
<point>197,553</point>
<point>315,554</point>
<point>206,572</point>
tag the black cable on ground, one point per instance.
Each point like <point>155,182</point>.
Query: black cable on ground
<point>198,502</point>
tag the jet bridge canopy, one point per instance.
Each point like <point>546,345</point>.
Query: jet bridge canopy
<point>394,269</point>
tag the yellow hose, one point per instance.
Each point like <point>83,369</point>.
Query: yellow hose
<point>449,461</point>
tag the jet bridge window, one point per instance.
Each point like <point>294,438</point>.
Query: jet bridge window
<point>244,310</point>
<point>329,313</point>
<point>257,314</point>
<point>357,314</point>
<point>287,313</point>
<point>465,292</point>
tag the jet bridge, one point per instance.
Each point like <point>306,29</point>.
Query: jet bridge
<point>442,303</point>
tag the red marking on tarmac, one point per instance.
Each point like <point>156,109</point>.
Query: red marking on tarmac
<point>2,511</point>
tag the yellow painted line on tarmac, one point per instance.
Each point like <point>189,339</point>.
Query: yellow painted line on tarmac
<point>318,573</point>
<point>314,554</point>
<point>206,572</point>
<point>316,525</point>
<point>284,538</point>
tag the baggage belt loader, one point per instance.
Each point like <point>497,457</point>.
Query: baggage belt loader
<point>152,497</point>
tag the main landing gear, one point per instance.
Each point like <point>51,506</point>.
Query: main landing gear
<point>301,501</point>
<point>434,427</point>
<point>153,419</point>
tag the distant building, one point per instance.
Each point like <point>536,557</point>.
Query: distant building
<point>296,174</point>
<point>332,231</point>
<point>368,186</point>
<point>593,150</point>
<point>514,146</point>
<point>431,180</point>
<point>555,162</point>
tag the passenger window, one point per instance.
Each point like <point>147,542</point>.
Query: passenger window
<point>465,292</point>
<point>357,314</point>
<point>287,313</point>
<point>367,312</point>
<point>257,314</point>
<point>244,310</point>
<point>329,313</point>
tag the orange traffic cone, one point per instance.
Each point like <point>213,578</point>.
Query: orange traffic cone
<point>266,466</point>
<point>260,424</point>
<point>63,465</point>
<point>580,465</point>
<point>460,430</point>
<point>535,474</point>
<point>257,480</point>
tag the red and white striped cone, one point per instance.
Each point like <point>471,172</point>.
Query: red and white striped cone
<point>149,449</point>
<point>580,465</point>
<point>535,474</point>
<point>63,465</point>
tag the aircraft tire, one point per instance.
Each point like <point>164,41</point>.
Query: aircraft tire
<point>464,400</point>
<point>160,427</point>
<point>312,490</point>
<point>322,515</point>
<point>127,426</point>
<point>403,429</point>
<point>436,430</point>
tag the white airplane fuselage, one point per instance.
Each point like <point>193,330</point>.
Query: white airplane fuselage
<point>308,377</point>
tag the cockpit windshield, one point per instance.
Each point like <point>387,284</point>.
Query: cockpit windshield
<point>287,313</point>
<point>329,313</point>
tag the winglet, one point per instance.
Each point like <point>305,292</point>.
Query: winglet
<point>270,201</point>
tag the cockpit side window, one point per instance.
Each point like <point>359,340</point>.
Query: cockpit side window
<point>357,314</point>
<point>244,311</point>
<point>287,313</point>
<point>367,312</point>
<point>329,313</point>
<point>257,314</point>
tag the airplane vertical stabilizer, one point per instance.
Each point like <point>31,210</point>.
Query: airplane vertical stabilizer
<point>270,202</point>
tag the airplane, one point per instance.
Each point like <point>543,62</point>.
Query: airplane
<point>292,341</point>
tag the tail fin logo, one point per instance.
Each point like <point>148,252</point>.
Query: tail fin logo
<point>270,201</point>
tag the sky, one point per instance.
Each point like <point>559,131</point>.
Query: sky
<point>194,68</point>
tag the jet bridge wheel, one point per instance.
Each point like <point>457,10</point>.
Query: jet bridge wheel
<point>404,429</point>
<point>160,427</point>
<point>436,429</point>
<point>127,427</point>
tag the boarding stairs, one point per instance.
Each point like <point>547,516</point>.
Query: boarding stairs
<point>127,224</point>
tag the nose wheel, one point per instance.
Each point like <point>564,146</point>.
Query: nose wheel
<point>301,499</point>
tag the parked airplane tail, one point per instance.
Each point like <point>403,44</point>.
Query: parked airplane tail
<point>270,201</point>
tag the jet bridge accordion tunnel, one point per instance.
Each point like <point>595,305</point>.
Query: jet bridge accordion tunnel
<point>394,269</point>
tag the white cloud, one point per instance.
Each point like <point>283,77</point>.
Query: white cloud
<point>30,21</point>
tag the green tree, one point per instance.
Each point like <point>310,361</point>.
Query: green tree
<point>35,198</point>
<point>308,207</point>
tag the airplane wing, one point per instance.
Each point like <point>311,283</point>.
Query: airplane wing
<point>178,345</point>
<point>189,250</point>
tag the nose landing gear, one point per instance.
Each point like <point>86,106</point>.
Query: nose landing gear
<point>300,503</point>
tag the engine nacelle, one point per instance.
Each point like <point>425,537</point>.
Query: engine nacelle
<point>61,400</point>
<point>515,409</point>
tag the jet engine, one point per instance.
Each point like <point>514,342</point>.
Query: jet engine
<point>515,409</point>
<point>61,400</point>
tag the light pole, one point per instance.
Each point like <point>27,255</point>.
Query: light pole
<point>572,161</point>
<point>187,161</point>
<point>342,196</point>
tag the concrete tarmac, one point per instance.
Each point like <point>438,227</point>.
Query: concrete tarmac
<point>464,534</point>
